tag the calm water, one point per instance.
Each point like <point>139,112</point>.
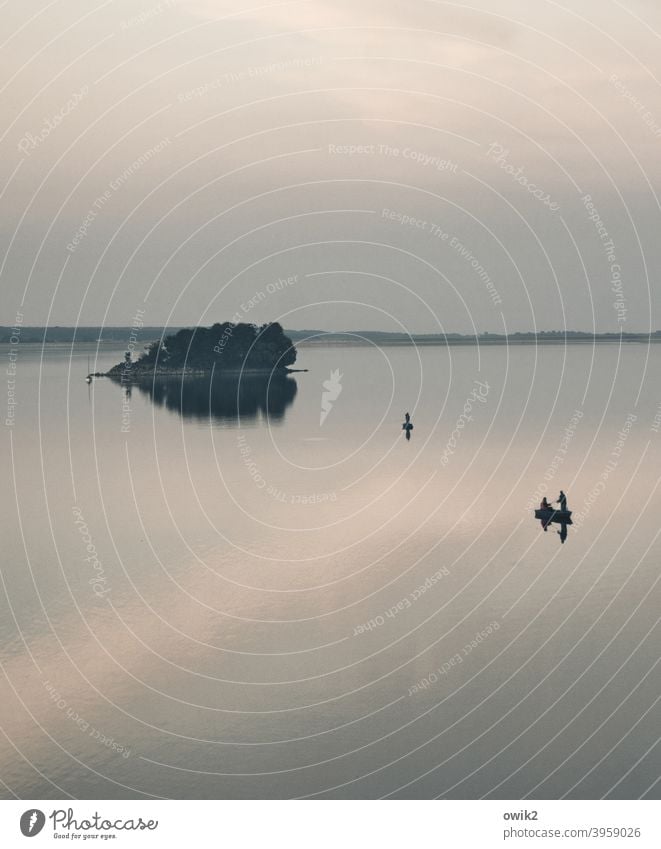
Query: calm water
<point>207,593</point>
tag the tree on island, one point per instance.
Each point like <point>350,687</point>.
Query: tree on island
<point>223,346</point>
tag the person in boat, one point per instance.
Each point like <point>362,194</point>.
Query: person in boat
<point>562,501</point>
<point>544,505</point>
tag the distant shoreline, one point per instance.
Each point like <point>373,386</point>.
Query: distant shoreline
<point>375,337</point>
<point>120,336</point>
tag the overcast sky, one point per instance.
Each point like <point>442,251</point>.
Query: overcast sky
<point>355,164</point>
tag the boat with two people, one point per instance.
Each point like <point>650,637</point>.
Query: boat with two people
<point>547,515</point>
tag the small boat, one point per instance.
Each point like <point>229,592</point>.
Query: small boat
<point>551,515</point>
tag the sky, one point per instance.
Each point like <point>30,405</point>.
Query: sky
<point>404,166</point>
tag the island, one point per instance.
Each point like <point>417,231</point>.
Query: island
<point>225,348</point>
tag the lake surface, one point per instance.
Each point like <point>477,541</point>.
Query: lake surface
<point>212,593</point>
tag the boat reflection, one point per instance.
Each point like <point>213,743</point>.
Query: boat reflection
<point>550,517</point>
<point>221,398</point>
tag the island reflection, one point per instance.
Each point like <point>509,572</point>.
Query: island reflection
<point>225,399</point>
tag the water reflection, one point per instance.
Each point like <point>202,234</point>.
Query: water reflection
<point>220,398</point>
<point>549,516</point>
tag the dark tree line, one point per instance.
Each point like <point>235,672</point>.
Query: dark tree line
<point>223,345</point>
